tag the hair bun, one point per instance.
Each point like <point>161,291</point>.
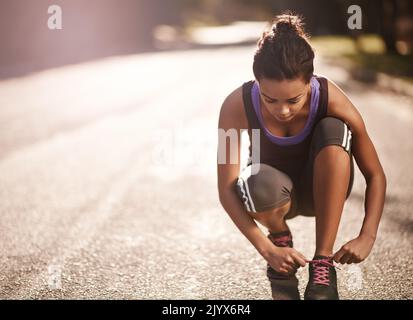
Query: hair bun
<point>287,23</point>
<point>283,26</point>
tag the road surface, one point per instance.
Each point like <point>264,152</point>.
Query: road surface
<point>108,184</point>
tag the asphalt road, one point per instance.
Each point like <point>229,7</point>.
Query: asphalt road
<point>108,184</point>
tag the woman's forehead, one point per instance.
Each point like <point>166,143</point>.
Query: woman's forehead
<point>282,89</point>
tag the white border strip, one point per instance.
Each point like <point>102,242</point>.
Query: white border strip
<point>344,143</point>
<point>249,196</point>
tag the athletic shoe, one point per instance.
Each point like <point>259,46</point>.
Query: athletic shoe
<point>322,284</point>
<point>283,287</point>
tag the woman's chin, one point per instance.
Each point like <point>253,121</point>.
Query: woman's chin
<point>284,119</point>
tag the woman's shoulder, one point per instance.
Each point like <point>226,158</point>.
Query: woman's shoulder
<point>336,96</point>
<point>340,106</point>
<point>232,109</point>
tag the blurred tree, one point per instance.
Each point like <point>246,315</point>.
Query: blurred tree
<point>388,16</point>
<point>383,17</point>
<point>321,16</point>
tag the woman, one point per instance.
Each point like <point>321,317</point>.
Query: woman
<point>309,131</point>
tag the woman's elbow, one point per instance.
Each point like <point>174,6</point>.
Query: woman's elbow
<point>379,177</point>
<point>224,196</point>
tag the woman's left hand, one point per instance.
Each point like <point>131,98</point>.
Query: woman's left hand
<point>354,251</point>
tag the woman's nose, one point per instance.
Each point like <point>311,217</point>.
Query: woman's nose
<point>285,110</point>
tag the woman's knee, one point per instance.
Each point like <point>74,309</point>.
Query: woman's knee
<point>333,131</point>
<point>269,189</point>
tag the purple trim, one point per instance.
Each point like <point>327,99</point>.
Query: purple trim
<point>315,95</point>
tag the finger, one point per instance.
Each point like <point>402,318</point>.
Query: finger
<point>282,270</point>
<point>302,258</point>
<point>357,259</point>
<point>345,258</point>
<point>288,267</point>
<point>290,260</point>
<point>354,259</point>
<point>351,260</point>
<point>300,255</point>
<point>288,264</point>
<point>338,255</point>
<point>299,259</point>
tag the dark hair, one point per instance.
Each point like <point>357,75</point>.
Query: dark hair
<point>284,52</point>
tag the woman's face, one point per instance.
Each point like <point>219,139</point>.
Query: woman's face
<point>284,99</point>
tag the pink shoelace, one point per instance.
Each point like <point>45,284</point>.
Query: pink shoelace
<point>282,241</point>
<point>320,266</point>
<point>321,271</point>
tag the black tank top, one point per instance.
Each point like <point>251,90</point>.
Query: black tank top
<point>291,158</point>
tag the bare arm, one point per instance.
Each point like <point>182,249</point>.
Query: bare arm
<point>367,160</point>
<point>228,173</point>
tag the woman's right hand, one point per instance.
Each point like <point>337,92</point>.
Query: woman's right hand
<point>284,259</point>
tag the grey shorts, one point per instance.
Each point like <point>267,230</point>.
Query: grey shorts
<point>270,188</point>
